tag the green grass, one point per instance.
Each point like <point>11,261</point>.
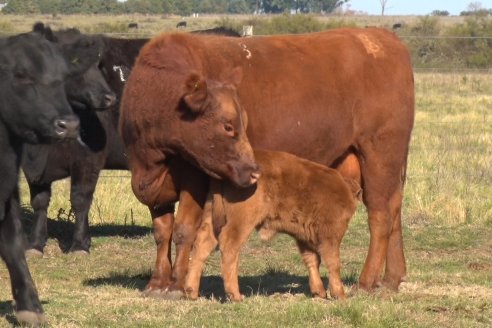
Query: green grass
<point>447,233</point>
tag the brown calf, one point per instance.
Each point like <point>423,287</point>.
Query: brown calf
<point>308,201</point>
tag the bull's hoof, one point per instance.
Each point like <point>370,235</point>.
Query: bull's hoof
<point>33,252</point>
<point>30,318</point>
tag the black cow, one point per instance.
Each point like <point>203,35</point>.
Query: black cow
<point>181,24</point>
<point>33,109</point>
<point>45,164</point>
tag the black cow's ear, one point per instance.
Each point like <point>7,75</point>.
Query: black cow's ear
<point>45,31</point>
<point>196,93</point>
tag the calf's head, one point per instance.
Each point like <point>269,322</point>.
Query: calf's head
<point>213,129</point>
<point>33,103</point>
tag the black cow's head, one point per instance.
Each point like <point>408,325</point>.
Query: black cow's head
<point>33,102</point>
<point>85,88</point>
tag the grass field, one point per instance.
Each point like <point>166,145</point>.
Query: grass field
<point>447,232</point>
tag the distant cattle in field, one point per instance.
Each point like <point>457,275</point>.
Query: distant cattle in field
<point>396,26</point>
<point>318,107</point>
<point>181,24</point>
<point>33,109</point>
<point>306,200</point>
<point>133,25</point>
<point>221,30</point>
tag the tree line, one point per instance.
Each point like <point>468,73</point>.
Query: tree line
<point>178,7</point>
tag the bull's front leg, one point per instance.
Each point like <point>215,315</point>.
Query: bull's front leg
<point>162,222</point>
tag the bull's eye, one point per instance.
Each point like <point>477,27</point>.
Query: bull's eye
<point>229,128</point>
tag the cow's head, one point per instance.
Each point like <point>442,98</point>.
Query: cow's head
<point>86,86</point>
<point>213,129</point>
<point>33,103</point>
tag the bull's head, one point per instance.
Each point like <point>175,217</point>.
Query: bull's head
<point>213,129</point>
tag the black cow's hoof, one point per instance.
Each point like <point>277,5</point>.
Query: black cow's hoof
<point>33,252</point>
<point>30,318</point>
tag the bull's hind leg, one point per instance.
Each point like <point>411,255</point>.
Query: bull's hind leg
<point>40,200</point>
<point>312,261</point>
<point>204,243</point>
<point>383,177</point>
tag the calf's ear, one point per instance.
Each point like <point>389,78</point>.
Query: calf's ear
<point>195,93</point>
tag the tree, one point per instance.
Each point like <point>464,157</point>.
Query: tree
<point>383,6</point>
<point>21,7</point>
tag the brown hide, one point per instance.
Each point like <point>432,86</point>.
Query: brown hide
<point>342,98</point>
<point>306,200</point>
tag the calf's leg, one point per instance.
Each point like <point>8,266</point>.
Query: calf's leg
<point>191,200</point>
<point>204,244</point>
<point>231,239</point>
<point>40,200</point>
<point>27,306</point>
<point>312,261</point>
<point>330,252</point>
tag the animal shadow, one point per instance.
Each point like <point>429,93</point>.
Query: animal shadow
<point>62,228</point>
<point>211,287</point>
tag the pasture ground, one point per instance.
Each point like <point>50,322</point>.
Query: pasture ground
<point>447,233</point>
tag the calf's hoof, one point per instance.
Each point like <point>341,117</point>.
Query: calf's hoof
<point>33,252</point>
<point>30,318</point>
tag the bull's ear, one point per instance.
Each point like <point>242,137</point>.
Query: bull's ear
<point>46,31</point>
<point>235,77</point>
<point>196,93</point>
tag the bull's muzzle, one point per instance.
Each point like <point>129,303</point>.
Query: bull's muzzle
<point>243,174</point>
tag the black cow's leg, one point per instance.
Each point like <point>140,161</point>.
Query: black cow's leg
<point>40,200</point>
<point>27,306</point>
<point>81,194</point>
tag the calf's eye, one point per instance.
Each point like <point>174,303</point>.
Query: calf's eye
<point>229,128</point>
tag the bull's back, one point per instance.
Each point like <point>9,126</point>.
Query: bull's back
<point>313,95</point>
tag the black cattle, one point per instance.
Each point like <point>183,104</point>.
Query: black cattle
<point>133,25</point>
<point>181,24</point>
<point>45,164</point>
<point>86,93</point>
<point>221,30</point>
<point>33,109</point>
